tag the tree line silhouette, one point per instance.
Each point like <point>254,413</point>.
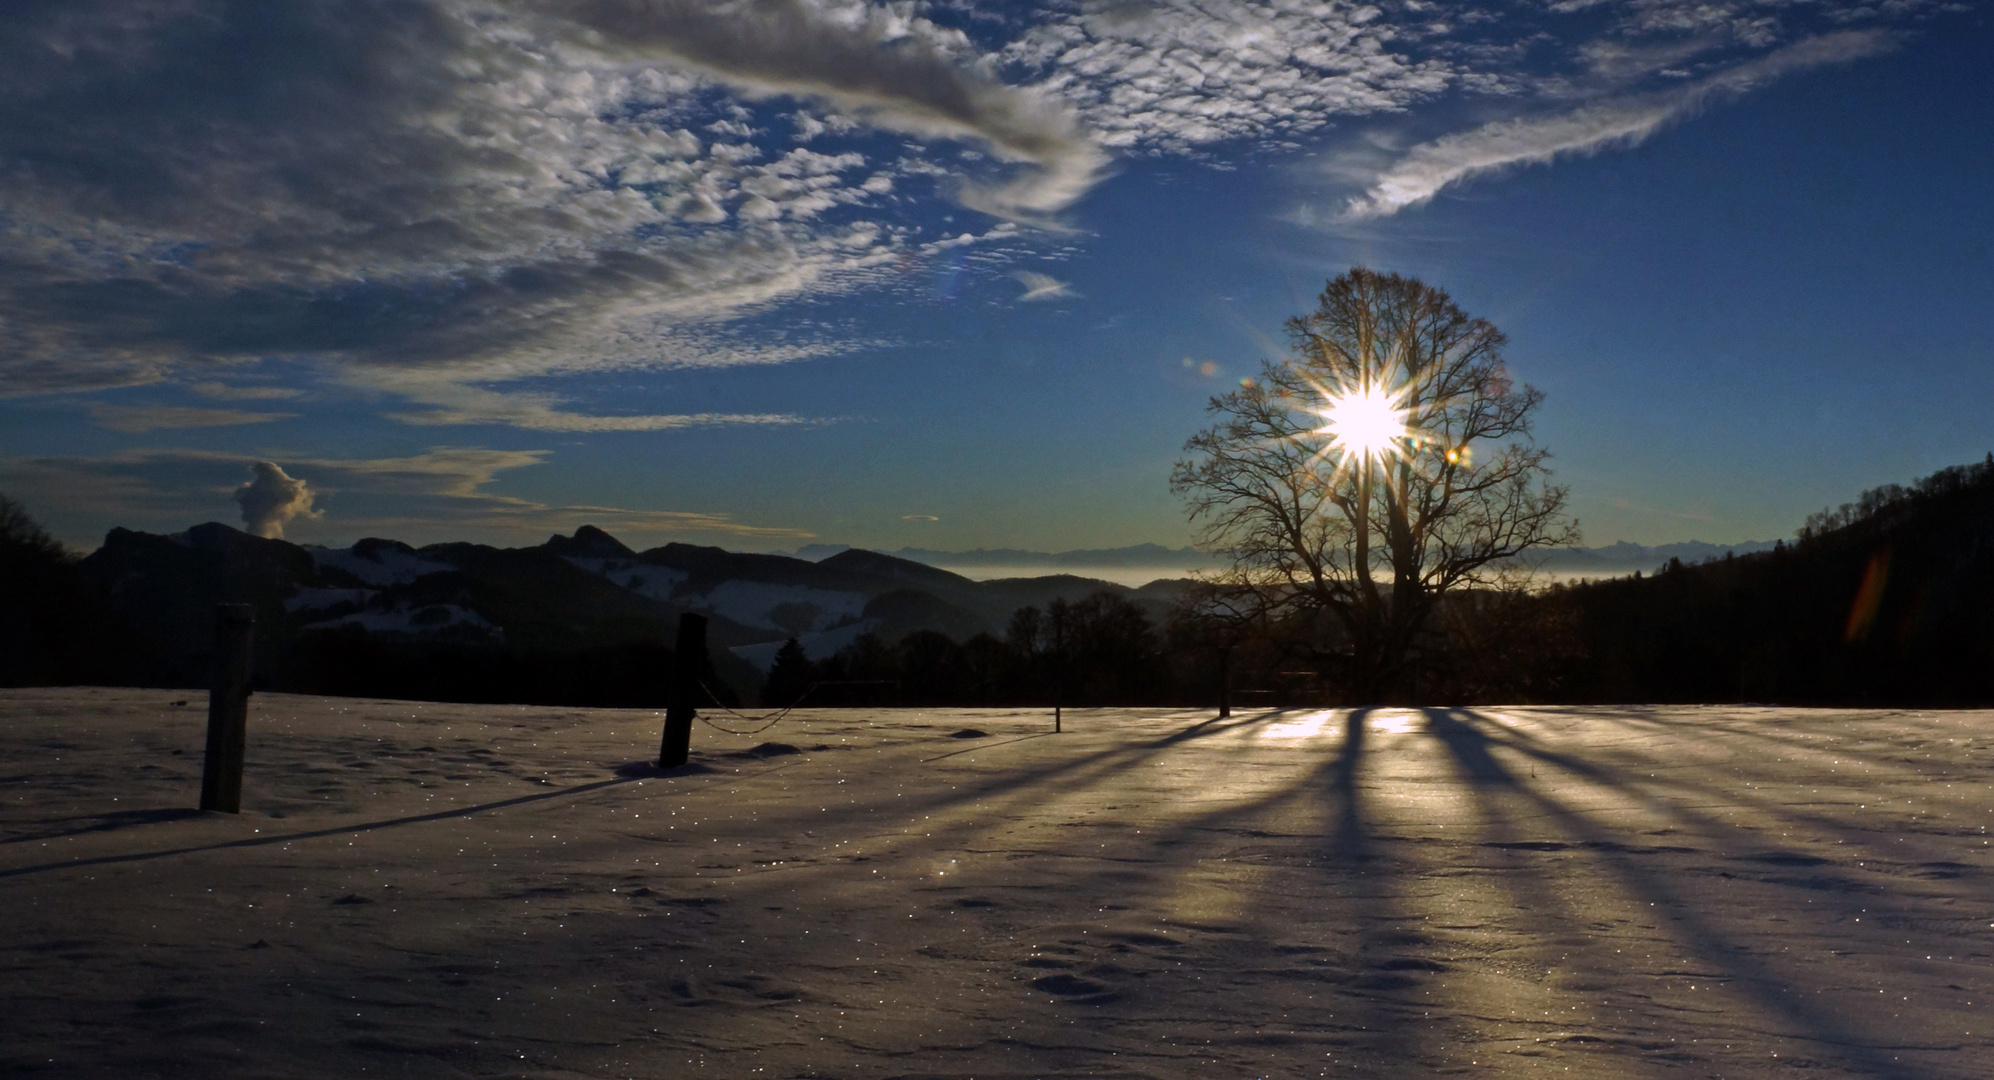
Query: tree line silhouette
<point>1100,650</point>
<point>1886,600</point>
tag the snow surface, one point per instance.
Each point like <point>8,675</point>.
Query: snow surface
<point>820,645</point>
<point>644,579</point>
<point>391,568</point>
<point>455,891</point>
<point>750,602</point>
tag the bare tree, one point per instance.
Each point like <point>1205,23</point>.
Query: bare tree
<point>22,533</point>
<point>1384,463</point>
<point>1213,615</point>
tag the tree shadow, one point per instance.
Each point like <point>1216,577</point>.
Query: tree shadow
<point>1349,840</point>
<point>1323,812</point>
<point>339,830</point>
<point>1607,775</point>
<point>105,822</point>
<point>628,772</point>
<point>1463,734</point>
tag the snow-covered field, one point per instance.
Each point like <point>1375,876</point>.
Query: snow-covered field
<point>443,891</point>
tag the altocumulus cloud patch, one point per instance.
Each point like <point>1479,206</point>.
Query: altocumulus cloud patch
<point>439,199</point>
<point>432,195</point>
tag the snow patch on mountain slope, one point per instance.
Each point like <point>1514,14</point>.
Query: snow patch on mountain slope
<point>386,567</point>
<point>754,603</point>
<point>426,621</point>
<point>308,599</point>
<point>644,579</point>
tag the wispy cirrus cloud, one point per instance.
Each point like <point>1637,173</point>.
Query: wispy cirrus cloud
<point>445,493</point>
<point>137,419</point>
<point>882,63</point>
<point>1426,169</point>
<point>536,188</point>
<point>226,392</point>
<point>534,413</point>
<point>442,200</point>
<point>1043,287</point>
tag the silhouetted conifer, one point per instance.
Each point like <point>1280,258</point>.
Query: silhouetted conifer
<point>789,677</point>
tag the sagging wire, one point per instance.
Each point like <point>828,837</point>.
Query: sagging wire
<point>769,720</point>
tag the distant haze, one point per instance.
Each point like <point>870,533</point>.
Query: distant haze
<point>1143,563</point>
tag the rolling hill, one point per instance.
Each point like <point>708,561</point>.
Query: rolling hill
<point>581,618</point>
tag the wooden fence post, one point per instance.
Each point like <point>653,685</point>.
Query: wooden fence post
<point>687,660</point>
<point>228,709</point>
<point>1058,670</point>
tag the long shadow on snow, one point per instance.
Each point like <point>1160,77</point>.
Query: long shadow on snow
<point>1331,789</point>
<point>1101,760</point>
<point>1653,788</point>
<point>1461,732</point>
<point>337,830</point>
<point>1345,863</point>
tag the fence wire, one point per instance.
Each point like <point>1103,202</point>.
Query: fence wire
<point>771,719</point>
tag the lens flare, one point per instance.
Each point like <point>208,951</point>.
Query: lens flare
<point>1367,421</point>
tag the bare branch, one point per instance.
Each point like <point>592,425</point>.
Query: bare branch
<point>1273,494</point>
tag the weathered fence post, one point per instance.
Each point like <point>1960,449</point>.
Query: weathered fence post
<point>228,709</point>
<point>683,703</point>
<point>1058,669</point>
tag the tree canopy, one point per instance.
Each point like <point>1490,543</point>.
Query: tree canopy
<point>1384,463</point>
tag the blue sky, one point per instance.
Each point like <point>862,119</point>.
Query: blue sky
<point>953,274</point>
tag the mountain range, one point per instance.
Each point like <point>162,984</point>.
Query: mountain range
<point>567,596</point>
<point>582,601</point>
<point>1134,556</point>
<point>1882,600</point>
<point>1612,559</point>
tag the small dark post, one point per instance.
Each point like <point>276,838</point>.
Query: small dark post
<point>1225,681</point>
<point>228,709</point>
<point>1059,667</point>
<point>687,659</point>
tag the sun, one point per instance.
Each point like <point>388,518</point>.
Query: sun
<point>1366,421</point>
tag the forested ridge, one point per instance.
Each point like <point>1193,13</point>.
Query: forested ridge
<point>1886,600</point>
